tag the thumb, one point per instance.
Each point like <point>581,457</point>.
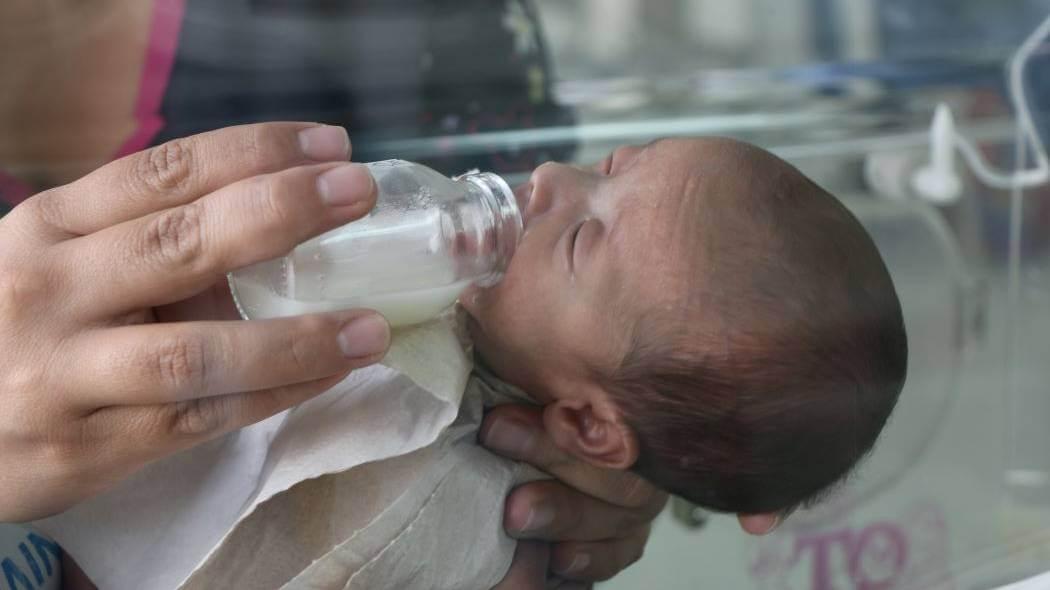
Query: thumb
<point>528,571</point>
<point>759,524</point>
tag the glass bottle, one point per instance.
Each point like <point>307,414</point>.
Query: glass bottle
<point>426,240</point>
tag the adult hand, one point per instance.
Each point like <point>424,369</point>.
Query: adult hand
<point>119,342</point>
<point>597,520</point>
<point>760,524</point>
<point>528,570</point>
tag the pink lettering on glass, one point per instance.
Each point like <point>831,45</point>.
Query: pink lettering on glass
<point>884,554</point>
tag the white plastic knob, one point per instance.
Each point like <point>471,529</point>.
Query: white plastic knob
<point>938,181</point>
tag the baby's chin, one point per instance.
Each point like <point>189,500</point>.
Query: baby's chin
<point>470,302</point>
<point>483,335</point>
<point>484,348</point>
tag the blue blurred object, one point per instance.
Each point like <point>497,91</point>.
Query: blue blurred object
<point>899,74</point>
<point>915,28</point>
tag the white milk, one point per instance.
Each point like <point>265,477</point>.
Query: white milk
<point>257,301</point>
<point>427,238</point>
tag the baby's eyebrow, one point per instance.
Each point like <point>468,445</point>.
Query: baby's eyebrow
<point>643,153</point>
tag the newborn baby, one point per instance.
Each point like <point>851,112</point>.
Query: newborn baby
<point>702,313</point>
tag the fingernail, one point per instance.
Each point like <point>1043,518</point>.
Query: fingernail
<point>364,336</point>
<point>508,437</point>
<point>540,516</point>
<point>325,143</point>
<point>579,563</point>
<point>773,526</point>
<point>346,185</point>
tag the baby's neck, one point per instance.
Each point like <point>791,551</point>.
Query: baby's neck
<point>497,384</point>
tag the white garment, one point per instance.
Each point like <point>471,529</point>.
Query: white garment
<point>329,492</point>
<point>1041,582</point>
<point>429,520</point>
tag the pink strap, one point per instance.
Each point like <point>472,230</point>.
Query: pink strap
<point>160,56</point>
<point>12,190</point>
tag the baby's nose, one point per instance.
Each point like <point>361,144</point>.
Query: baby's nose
<point>523,196</point>
<point>545,184</point>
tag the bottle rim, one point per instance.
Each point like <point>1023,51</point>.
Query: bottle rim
<point>510,225</point>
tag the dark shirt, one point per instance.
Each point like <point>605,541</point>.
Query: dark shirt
<point>386,70</point>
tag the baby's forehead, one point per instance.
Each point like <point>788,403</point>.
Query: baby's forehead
<point>671,180</point>
<point>690,180</point>
<point>685,190</point>
<point>711,156</point>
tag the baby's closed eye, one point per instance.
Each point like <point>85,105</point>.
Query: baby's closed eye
<point>586,236</point>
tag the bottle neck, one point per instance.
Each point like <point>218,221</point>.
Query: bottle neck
<point>499,199</point>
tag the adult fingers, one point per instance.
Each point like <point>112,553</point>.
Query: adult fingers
<point>598,561</point>
<point>127,437</point>
<point>166,363</point>
<point>528,570</point>
<point>517,432</point>
<point>551,511</point>
<point>176,253</point>
<point>560,584</point>
<point>759,524</point>
<point>182,170</point>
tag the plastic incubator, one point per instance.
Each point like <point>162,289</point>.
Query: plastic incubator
<point>427,239</point>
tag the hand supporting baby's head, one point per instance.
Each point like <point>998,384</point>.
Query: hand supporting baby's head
<point>700,311</point>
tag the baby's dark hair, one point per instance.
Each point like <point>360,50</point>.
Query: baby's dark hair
<point>778,370</point>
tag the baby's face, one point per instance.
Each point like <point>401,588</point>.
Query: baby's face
<point>602,245</point>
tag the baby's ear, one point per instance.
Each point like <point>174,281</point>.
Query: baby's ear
<point>592,431</point>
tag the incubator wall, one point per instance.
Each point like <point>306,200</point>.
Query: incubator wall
<point>957,493</point>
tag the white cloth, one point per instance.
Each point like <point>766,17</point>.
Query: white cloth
<point>429,520</point>
<point>1041,582</point>
<point>194,511</point>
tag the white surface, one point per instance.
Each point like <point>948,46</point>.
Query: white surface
<point>1037,583</point>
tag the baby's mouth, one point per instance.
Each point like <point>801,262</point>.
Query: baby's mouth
<point>471,302</point>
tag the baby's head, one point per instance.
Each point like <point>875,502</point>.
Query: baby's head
<point>701,312</point>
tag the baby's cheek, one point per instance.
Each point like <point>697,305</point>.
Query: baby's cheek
<point>470,300</point>
<point>488,309</point>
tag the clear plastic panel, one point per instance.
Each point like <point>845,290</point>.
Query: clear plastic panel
<point>957,493</point>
